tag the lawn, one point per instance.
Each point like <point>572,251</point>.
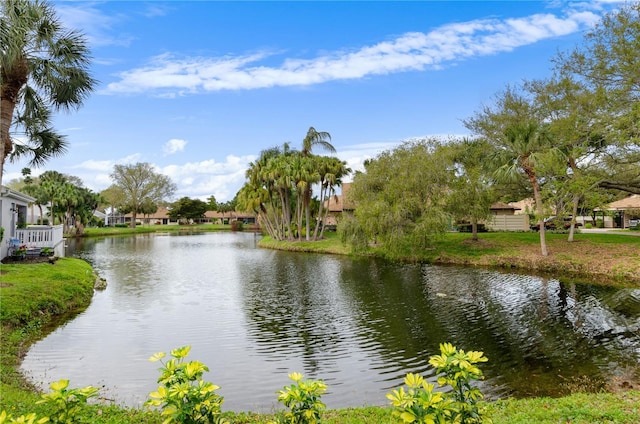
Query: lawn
<point>601,258</point>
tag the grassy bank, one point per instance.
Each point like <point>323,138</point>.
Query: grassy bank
<point>600,258</point>
<point>143,229</point>
<point>35,297</point>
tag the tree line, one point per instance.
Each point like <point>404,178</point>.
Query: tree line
<point>570,142</point>
<point>137,189</point>
<point>279,188</point>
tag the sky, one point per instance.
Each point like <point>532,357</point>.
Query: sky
<point>200,88</point>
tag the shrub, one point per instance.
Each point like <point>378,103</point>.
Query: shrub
<point>67,406</point>
<point>22,419</point>
<point>236,225</point>
<point>183,396</point>
<point>303,400</point>
<point>67,403</point>
<point>419,404</point>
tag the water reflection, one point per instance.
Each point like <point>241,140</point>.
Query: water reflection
<point>360,324</point>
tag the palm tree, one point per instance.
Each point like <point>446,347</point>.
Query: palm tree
<point>331,171</point>
<point>43,68</point>
<point>316,138</point>
<point>520,136</point>
<point>312,139</point>
<point>523,150</point>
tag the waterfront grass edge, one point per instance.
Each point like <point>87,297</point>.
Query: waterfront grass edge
<point>37,297</point>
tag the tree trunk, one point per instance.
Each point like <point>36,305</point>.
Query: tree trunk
<point>528,169</point>
<point>319,219</point>
<point>539,212</point>
<point>574,212</point>
<point>134,216</point>
<point>474,229</point>
<point>307,211</point>
<point>6,146</point>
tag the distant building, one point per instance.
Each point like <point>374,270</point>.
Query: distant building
<point>338,205</point>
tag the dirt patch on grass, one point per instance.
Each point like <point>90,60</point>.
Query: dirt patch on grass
<point>26,260</point>
<point>479,243</point>
<point>602,263</point>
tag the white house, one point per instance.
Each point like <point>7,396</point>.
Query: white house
<point>13,219</point>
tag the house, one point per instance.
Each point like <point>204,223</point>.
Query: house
<point>337,205</point>
<point>13,219</point>
<point>500,208</point>
<point>161,217</point>
<point>626,211</point>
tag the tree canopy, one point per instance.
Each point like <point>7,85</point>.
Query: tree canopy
<point>279,188</point>
<point>140,183</point>
<point>400,199</point>
<point>188,209</point>
<point>43,68</point>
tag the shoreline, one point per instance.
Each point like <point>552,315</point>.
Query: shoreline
<point>596,258</point>
<point>18,397</point>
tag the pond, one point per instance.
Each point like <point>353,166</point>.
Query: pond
<point>254,315</point>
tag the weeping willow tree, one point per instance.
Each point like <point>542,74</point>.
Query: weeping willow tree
<point>400,200</point>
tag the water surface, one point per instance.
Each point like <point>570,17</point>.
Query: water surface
<point>254,315</point>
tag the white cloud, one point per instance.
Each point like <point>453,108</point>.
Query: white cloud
<point>168,76</point>
<point>95,165</point>
<point>174,145</point>
<point>209,177</point>
<point>96,25</point>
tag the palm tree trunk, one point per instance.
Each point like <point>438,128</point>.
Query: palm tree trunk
<point>299,212</point>
<point>539,213</point>
<point>322,194</point>
<point>6,114</point>
<point>307,211</point>
<point>326,211</point>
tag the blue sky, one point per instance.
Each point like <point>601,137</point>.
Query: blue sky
<point>199,88</point>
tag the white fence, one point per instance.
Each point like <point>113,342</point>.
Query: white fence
<point>38,236</point>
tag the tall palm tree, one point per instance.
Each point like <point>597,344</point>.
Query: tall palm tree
<point>520,136</point>
<point>523,150</point>
<point>312,139</point>
<point>331,171</point>
<point>316,138</point>
<point>43,68</point>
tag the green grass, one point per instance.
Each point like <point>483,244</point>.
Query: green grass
<point>329,244</point>
<point>33,297</point>
<point>142,229</point>
<point>605,258</point>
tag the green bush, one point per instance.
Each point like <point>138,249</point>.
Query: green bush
<point>67,403</point>
<point>303,400</point>
<point>183,396</point>
<point>67,406</point>
<point>420,404</point>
